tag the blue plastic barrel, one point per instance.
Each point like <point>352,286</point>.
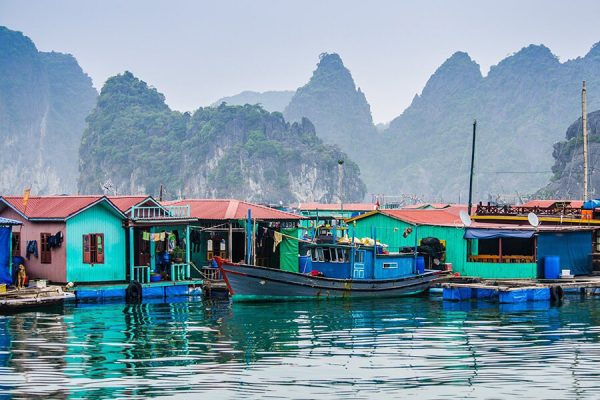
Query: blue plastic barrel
<point>551,267</point>
<point>420,264</point>
<point>304,264</point>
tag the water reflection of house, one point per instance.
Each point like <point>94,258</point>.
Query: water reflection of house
<point>489,249</point>
<point>221,230</point>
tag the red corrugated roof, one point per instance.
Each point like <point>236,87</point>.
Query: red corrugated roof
<point>52,207</point>
<point>210,209</point>
<point>336,207</point>
<point>550,203</point>
<point>441,217</point>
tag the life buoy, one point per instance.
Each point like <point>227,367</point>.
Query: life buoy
<point>133,293</point>
<point>556,293</point>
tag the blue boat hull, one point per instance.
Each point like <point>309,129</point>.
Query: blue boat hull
<point>254,282</point>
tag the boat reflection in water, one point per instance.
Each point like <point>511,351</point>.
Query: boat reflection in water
<point>358,349</point>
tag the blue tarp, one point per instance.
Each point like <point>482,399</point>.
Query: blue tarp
<point>591,204</point>
<point>5,255</point>
<point>474,233</point>
<point>573,248</point>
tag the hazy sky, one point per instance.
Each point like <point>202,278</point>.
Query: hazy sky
<point>196,51</point>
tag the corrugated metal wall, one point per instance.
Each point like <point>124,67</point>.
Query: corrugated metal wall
<point>456,246</point>
<point>97,219</point>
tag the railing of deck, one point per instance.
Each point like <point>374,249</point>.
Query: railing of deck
<point>180,272</point>
<point>507,210</point>
<point>158,213</point>
<point>141,273</point>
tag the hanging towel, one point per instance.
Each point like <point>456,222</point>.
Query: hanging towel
<point>146,236</point>
<point>172,241</point>
<point>162,236</point>
<point>277,239</point>
<point>156,237</point>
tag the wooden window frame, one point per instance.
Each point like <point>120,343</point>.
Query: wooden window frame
<point>45,251</point>
<point>16,241</point>
<point>93,249</point>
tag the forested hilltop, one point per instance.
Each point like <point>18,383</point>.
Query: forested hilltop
<point>44,99</point>
<point>137,143</point>
<point>340,112</point>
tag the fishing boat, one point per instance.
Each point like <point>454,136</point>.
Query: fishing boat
<point>332,270</point>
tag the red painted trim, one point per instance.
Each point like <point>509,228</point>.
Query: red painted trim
<point>225,278</point>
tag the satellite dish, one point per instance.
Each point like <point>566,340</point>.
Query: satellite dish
<point>465,218</point>
<point>533,220</point>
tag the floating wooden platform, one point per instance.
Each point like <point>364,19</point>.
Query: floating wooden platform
<point>516,291</point>
<point>117,290</point>
<point>33,297</point>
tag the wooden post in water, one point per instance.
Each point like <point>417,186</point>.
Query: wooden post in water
<point>471,173</point>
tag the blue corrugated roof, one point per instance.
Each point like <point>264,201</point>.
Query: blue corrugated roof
<point>6,221</point>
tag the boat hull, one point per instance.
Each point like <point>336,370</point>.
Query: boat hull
<point>253,282</point>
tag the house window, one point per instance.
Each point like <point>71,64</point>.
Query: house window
<point>501,250</point>
<point>390,265</point>
<point>16,243</point>
<point>45,254</point>
<point>93,248</point>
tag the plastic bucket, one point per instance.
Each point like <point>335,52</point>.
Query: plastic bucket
<point>420,264</point>
<point>304,264</point>
<point>551,267</point>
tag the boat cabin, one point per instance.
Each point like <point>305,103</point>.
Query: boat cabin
<point>356,262</point>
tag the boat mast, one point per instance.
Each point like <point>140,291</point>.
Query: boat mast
<point>585,142</point>
<point>471,173</point>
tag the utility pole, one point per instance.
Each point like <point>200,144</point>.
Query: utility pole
<point>585,142</point>
<point>471,173</point>
<point>340,181</point>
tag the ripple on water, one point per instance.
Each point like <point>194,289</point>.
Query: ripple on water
<point>414,347</point>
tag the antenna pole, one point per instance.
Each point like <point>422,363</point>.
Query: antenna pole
<point>585,142</point>
<point>471,173</point>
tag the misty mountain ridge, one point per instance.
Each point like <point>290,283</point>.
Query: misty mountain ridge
<point>567,182</point>
<point>44,99</point>
<point>138,144</point>
<point>274,100</point>
<point>521,107</point>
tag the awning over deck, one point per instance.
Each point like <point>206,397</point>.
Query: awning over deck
<point>473,233</point>
<point>9,222</point>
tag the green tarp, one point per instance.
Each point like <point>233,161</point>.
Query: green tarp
<point>288,252</point>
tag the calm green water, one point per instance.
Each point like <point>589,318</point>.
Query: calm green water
<point>411,347</point>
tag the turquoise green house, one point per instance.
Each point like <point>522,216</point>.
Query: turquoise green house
<point>95,245</point>
<point>407,227</point>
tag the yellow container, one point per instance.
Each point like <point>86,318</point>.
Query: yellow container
<point>2,288</point>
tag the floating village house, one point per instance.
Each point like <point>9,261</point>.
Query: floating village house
<point>68,238</point>
<point>158,239</point>
<point>221,229</point>
<point>492,249</point>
